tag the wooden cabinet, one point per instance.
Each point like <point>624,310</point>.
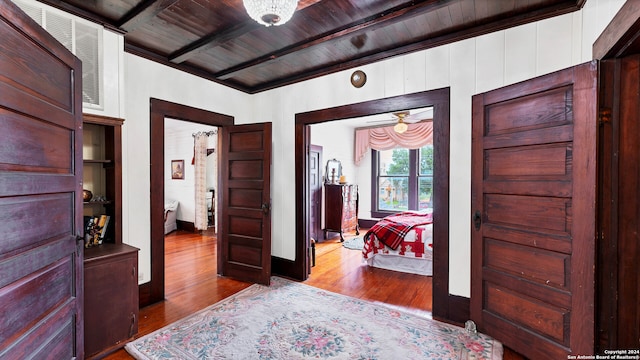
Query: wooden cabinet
<point>340,209</point>
<point>102,172</point>
<point>110,297</point>
<point>110,269</point>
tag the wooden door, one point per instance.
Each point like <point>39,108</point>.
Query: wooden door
<point>533,199</point>
<point>245,219</point>
<point>315,190</point>
<point>40,193</point>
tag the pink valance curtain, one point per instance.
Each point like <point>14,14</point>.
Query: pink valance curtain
<point>385,138</point>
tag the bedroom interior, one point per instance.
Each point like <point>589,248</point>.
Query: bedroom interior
<point>344,141</point>
<point>458,75</point>
<point>179,145</point>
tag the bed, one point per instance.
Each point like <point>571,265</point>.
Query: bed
<point>401,242</point>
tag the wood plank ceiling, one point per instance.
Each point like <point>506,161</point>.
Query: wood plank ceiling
<point>216,39</point>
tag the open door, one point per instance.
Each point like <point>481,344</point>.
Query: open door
<point>245,211</point>
<point>533,204</point>
<point>40,193</point>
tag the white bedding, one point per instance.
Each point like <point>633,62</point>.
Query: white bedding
<point>414,255</point>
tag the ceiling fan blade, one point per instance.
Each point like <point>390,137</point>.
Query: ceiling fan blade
<point>390,121</point>
<point>420,116</point>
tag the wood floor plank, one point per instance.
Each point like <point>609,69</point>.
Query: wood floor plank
<point>192,283</point>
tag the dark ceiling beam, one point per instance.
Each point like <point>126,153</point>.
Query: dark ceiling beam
<point>216,39</point>
<point>211,41</point>
<point>397,14</point>
<point>155,57</point>
<point>142,13</point>
<point>381,54</point>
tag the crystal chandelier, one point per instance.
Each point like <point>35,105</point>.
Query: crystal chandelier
<point>270,12</point>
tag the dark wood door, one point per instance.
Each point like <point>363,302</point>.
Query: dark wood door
<point>533,199</point>
<point>40,193</point>
<point>315,190</point>
<point>245,219</point>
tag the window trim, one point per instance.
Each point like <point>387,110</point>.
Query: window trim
<point>413,201</point>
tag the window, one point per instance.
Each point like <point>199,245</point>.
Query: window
<point>403,180</point>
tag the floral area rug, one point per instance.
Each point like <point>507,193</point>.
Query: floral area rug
<point>290,320</point>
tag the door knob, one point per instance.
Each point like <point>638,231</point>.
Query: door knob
<point>265,208</point>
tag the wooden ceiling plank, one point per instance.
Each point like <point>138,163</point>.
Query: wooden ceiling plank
<point>143,12</point>
<point>152,56</point>
<point>212,40</point>
<point>447,38</point>
<point>389,16</point>
<point>215,39</point>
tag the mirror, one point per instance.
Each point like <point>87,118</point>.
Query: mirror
<point>333,171</point>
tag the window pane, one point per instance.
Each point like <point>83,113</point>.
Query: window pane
<point>426,160</point>
<point>393,162</point>
<point>393,193</point>
<point>425,192</point>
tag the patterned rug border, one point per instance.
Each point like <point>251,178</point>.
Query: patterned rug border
<point>278,283</point>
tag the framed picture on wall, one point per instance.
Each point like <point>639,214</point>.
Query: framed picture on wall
<point>177,169</point>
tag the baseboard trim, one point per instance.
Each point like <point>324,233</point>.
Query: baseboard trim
<point>286,268</point>
<point>186,226</point>
<point>458,310</point>
<point>144,293</point>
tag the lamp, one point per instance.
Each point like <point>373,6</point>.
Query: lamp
<point>270,12</point>
<point>401,126</point>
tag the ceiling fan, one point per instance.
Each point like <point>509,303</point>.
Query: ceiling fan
<point>402,118</point>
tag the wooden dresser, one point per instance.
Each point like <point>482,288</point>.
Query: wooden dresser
<point>340,209</point>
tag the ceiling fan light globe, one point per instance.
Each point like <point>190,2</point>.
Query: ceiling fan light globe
<point>400,127</point>
<point>270,12</point>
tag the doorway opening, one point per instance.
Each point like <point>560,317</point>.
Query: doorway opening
<point>439,101</point>
<point>192,191</point>
<point>154,290</point>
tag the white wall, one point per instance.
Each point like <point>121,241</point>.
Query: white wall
<point>468,67</point>
<point>178,145</point>
<point>337,140</point>
<point>145,80</point>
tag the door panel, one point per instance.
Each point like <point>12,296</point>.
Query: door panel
<point>245,228</point>
<point>533,195</point>
<point>40,192</point>
<point>315,190</point>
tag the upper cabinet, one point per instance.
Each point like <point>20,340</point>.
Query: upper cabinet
<point>102,177</point>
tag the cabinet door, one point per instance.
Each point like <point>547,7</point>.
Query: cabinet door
<point>111,302</point>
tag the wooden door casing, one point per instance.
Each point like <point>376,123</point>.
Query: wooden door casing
<point>40,192</point>
<point>533,198</point>
<point>245,216</point>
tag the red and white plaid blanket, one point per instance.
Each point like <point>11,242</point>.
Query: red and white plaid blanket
<point>392,229</point>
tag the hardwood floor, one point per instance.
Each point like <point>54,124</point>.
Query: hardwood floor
<point>192,282</point>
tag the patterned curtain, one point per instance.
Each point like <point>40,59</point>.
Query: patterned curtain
<point>385,138</point>
<point>200,163</point>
